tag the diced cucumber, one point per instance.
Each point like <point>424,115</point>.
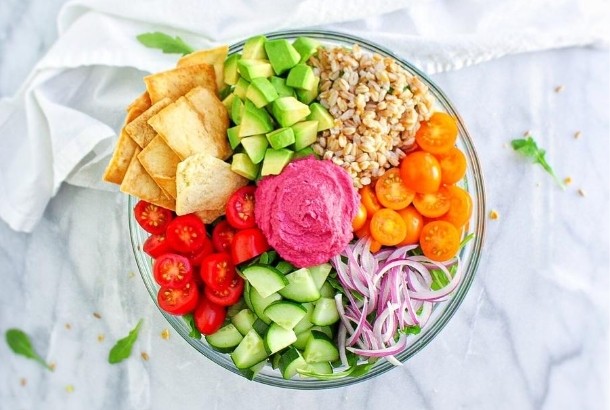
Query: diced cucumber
<point>259,303</point>
<point>305,323</point>
<point>301,287</point>
<point>325,312</point>
<point>319,273</point>
<point>260,327</point>
<point>225,339</point>
<point>327,330</point>
<point>284,267</point>
<point>278,338</point>
<point>250,351</point>
<point>244,320</point>
<point>265,279</point>
<point>320,367</point>
<point>327,291</point>
<point>247,294</point>
<point>251,372</point>
<point>302,339</point>
<point>285,313</point>
<point>320,348</point>
<point>275,360</point>
<point>290,361</point>
<point>236,308</point>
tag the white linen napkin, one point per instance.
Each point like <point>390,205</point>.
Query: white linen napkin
<point>63,121</point>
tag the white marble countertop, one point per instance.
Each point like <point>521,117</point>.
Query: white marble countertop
<point>531,334</point>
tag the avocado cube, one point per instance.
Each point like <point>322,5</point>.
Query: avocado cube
<point>233,134</point>
<point>228,102</point>
<point>225,91</point>
<point>282,55</point>
<point>230,69</point>
<point>241,88</point>
<point>305,134</point>
<point>255,146</point>
<point>306,47</point>
<point>308,96</point>
<point>280,86</point>
<point>261,92</point>
<point>321,114</point>
<point>281,138</point>
<point>250,69</point>
<point>254,121</point>
<point>254,48</point>
<point>305,152</point>
<point>242,165</point>
<point>237,110</point>
<point>301,76</point>
<point>275,161</point>
<point>288,111</point>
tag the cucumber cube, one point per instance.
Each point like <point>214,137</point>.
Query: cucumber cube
<point>305,134</point>
<point>301,76</point>
<point>285,313</point>
<point>261,92</point>
<point>280,86</point>
<point>319,273</point>
<point>265,279</point>
<point>320,348</point>
<point>325,312</point>
<point>288,111</point>
<point>231,75</point>
<point>254,48</point>
<point>255,146</point>
<point>282,55</point>
<point>278,338</point>
<point>250,351</point>
<point>290,362</point>
<point>281,138</point>
<point>306,47</point>
<point>301,287</point>
<point>243,165</point>
<point>243,321</point>
<point>251,69</point>
<point>225,339</point>
<point>321,114</point>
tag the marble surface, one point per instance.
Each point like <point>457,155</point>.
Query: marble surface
<point>531,334</point>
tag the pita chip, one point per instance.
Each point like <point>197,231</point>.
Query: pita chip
<point>175,83</point>
<point>160,162</point>
<point>210,216</point>
<point>215,117</point>
<point>215,56</point>
<point>138,106</point>
<point>121,157</point>
<point>139,130</point>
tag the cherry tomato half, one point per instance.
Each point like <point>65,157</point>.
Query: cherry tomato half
<point>178,301</point>
<point>421,172</point>
<point>439,240</point>
<point>387,227</point>
<point>453,166</point>
<point>369,200</point>
<point>460,209</point>
<point>228,296</point>
<point>186,234</point>
<point>222,236</point>
<point>392,192</point>
<point>240,208</point>
<point>209,316</point>
<point>415,222</point>
<point>365,230</point>
<point>172,270</point>
<point>360,218</point>
<point>248,244</point>
<point>156,245</point>
<point>217,271</point>
<point>196,257</point>
<point>152,218</point>
<point>433,205</point>
<point>438,134</point>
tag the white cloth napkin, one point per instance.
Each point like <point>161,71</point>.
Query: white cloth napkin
<point>63,121</point>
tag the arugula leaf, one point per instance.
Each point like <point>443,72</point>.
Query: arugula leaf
<point>122,348</point>
<point>529,148</point>
<point>439,280</point>
<point>20,343</point>
<point>411,330</point>
<point>354,371</point>
<point>165,43</point>
<point>467,239</point>
<point>190,320</point>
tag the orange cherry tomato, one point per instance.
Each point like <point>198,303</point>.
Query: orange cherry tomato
<point>438,134</point>
<point>387,227</point>
<point>375,246</point>
<point>433,205</point>
<point>360,218</point>
<point>369,200</point>
<point>421,172</point>
<point>365,230</point>
<point>415,222</point>
<point>460,209</point>
<point>392,192</point>
<point>453,166</point>
<point>439,240</point>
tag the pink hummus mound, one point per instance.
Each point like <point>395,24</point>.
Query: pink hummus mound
<point>306,212</point>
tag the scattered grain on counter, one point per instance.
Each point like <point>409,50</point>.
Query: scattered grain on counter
<point>165,334</point>
<point>101,337</point>
<point>68,326</point>
<point>97,315</point>
<point>493,215</point>
<point>145,356</point>
<point>131,274</point>
<point>69,388</point>
<point>582,192</point>
<point>52,366</point>
<point>559,88</point>
<point>577,134</point>
<point>567,180</point>
<point>527,133</point>
<point>23,381</point>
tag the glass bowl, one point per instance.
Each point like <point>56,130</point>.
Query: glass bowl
<point>442,313</point>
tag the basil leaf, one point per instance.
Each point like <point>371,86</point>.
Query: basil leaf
<point>190,320</point>
<point>529,148</point>
<point>165,43</point>
<point>20,344</point>
<point>411,330</point>
<point>122,348</point>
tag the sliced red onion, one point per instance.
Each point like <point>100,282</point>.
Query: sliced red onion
<point>341,335</point>
<point>359,328</point>
<point>391,350</point>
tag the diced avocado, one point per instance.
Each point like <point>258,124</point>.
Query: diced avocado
<point>281,138</point>
<point>255,146</point>
<point>321,114</point>
<point>237,110</point>
<point>250,69</point>
<point>233,134</point>
<point>305,152</point>
<point>254,48</point>
<point>288,111</point>
<point>224,92</point>
<point>305,134</point>
<point>306,47</point>
<point>301,76</point>
<point>282,55</point>
<point>241,88</point>
<point>261,92</point>
<point>254,121</point>
<point>308,96</point>
<point>228,101</point>
<point>230,69</point>
<point>280,86</point>
<point>242,165</point>
<point>275,161</point>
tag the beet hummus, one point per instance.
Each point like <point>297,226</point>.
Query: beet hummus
<point>306,212</point>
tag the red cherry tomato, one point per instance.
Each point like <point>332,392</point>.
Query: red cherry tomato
<point>178,300</point>
<point>172,270</point>
<point>228,296</point>
<point>156,245</point>
<point>240,208</point>
<point>222,236</point>
<point>196,257</point>
<point>217,271</point>
<point>186,234</point>
<point>248,244</point>
<point>209,316</point>
<point>152,218</point>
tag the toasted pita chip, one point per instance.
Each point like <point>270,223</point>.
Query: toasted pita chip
<point>139,130</point>
<point>138,106</point>
<point>160,162</point>
<point>182,128</point>
<point>179,81</point>
<point>215,117</point>
<point>138,183</point>
<point>210,216</point>
<point>215,56</point>
<point>121,157</point>
<point>205,183</point>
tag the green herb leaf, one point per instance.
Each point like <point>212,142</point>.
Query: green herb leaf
<point>334,282</point>
<point>439,279</point>
<point>122,348</point>
<point>529,148</point>
<point>467,239</point>
<point>190,320</point>
<point>20,343</point>
<point>165,43</point>
<point>354,371</point>
<point>411,330</point>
